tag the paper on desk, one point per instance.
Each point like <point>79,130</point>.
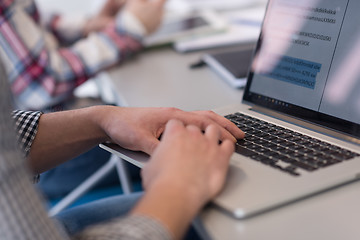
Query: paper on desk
<point>244,27</point>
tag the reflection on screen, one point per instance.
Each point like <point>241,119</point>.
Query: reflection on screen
<point>309,56</point>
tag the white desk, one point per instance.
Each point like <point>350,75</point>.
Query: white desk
<point>163,78</point>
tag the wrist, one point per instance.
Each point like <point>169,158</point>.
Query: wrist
<point>171,204</point>
<point>98,117</point>
<point>184,191</point>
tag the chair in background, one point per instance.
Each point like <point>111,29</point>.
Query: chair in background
<point>109,96</point>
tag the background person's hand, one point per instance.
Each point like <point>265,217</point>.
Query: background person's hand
<point>104,17</point>
<point>111,8</point>
<point>149,12</point>
<point>139,129</point>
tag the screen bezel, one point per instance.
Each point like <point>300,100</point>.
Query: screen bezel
<point>314,117</point>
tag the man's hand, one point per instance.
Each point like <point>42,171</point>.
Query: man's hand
<point>64,135</point>
<point>139,129</point>
<point>186,170</point>
<point>149,12</point>
<point>191,159</point>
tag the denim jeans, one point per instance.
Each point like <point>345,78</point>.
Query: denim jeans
<point>58,182</point>
<point>78,218</point>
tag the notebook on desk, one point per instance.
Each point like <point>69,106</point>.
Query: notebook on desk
<point>300,110</point>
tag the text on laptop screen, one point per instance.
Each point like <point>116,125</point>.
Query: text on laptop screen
<point>307,62</point>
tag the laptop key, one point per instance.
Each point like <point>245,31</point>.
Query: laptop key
<point>286,159</point>
<point>287,144</point>
<point>264,135</point>
<point>254,147</point>
<point>297,147</point>
<point>279,141</point>
<point>306,151</point>
<point>272,146</point>
<point>304,166</point>
<point>258,157</point>
<point>252,138</point>
<point>328,162</point>
<point>272,154</point>
<point>294,139</point>
<point>287,151</point>
<point>244,151</point>
<point>292,170</point>
<point>269,161</point>
<point>261,142</point>
<point>296,155</point>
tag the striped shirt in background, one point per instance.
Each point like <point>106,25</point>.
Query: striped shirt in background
<point>42,72</point>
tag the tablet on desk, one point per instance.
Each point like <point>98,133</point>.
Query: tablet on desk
<point>190,26</point>
<point>231,66</point>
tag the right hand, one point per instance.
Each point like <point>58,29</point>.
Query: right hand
<point>190,161</point>
<point>149,12</point>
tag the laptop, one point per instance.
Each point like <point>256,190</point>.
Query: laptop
<point>300,110</point>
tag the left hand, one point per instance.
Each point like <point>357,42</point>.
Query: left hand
<point>139,129</point>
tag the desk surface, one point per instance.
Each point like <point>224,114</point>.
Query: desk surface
<point>163,78</point>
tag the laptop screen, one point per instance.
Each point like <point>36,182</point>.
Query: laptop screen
<point>307,62</point>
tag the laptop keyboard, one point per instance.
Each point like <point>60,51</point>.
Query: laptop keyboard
<point>285,149</point>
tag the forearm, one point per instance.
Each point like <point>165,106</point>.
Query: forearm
<point>64,135</point>
<point>173,206</point>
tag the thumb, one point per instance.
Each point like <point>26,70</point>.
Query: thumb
<point>149,143</point>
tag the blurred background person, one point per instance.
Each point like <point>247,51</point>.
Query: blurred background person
<point>48,55</point>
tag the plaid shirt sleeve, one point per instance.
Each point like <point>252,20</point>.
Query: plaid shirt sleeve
<point>130,228</point>
<point>22,214</point>
<point>26,124</point>
<point>43,74</point>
